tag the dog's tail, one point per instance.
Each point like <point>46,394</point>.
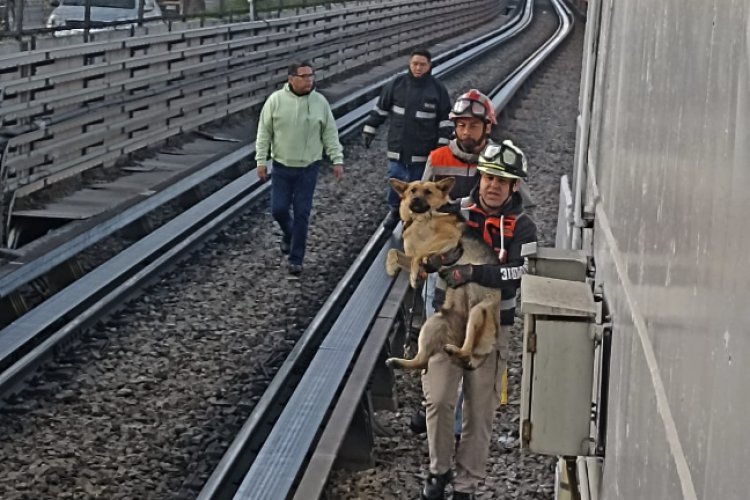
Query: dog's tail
<point>418,363</point>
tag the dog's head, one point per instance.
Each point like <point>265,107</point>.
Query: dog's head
<point>419,197</point>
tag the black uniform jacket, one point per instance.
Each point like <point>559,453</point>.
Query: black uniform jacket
<point>418,109</point>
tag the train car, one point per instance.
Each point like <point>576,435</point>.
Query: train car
<point>658,203</point>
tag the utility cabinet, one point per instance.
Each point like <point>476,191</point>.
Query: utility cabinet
<point>564,264</point>
<point>558,358</point>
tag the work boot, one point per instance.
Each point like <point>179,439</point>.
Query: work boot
<point>434,486</point>
<point>285,247</point>
<point>391,220</point>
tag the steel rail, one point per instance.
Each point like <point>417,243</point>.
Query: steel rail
<point>504,91</point>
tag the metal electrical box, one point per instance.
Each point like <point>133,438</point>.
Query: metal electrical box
<point>558,365</point>
<point>564,264</point>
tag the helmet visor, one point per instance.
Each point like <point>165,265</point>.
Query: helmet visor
<point>502,154</point>
<point>463,107</point>
<point>502,160</point>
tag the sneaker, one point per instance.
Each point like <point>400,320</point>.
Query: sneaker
<point>284,247</point>
<point>460,495</point>
<point>295,269</point>
<point>434,486</point>
<point>391,220</point>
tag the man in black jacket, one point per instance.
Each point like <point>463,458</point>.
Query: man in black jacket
<point>418,105</point>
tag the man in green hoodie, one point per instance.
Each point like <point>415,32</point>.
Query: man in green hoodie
<point>296,127</point>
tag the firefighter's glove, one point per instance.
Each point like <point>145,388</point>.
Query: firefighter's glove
<point>434,262</point>
<point>457,275</point>
<point>368,138</point>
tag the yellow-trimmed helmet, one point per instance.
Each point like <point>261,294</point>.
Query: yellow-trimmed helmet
<point>503,160</point>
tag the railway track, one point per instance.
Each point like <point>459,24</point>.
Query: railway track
<point>266,308</point>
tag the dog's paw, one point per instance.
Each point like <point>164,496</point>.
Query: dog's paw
<point>391,363</point>
<point>391,262</point>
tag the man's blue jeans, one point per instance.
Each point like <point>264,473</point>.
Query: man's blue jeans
<point>293,187</point>
<point>406,172</point>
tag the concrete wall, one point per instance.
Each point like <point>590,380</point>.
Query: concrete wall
<point>670,155</point>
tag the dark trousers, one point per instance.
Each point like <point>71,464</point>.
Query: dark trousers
<point>293,187</point>
<point>406,172</point>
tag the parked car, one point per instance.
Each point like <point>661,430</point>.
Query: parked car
<point>105,14</point>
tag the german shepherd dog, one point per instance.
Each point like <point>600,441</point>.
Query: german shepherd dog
<point>469,316</point>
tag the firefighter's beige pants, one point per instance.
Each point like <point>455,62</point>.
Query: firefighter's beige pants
<point>481,395</point>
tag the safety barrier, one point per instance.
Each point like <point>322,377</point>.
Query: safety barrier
<point>68,106</point>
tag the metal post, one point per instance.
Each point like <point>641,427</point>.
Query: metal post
<point>251,4</point>
<point>355,452</point>
<point>86,20</point>
<point>141,9</point>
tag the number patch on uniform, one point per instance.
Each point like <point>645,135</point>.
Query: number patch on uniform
<point>511,273</point>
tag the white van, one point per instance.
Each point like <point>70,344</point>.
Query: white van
<point>70,14</point>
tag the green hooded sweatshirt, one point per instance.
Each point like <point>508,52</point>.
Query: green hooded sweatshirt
<point>297,129</point>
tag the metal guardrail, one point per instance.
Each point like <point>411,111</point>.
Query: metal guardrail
<point>350,404</point>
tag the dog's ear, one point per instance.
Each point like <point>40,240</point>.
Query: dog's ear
<point>398,185</point>
<point>445,185</point>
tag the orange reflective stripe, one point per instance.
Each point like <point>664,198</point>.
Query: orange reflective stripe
<point>509,226</point>
<point>492,222</point>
